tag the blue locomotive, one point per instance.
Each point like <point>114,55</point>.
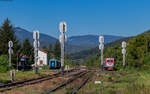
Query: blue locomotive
<point>54,64</point>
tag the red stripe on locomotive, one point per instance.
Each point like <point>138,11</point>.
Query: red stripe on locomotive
<point>109,63</point>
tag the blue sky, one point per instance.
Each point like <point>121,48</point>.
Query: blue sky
<point>112,17</point>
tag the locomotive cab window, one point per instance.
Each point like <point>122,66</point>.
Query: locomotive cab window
<point>111,61</point>
<point>53,62</point>
<point>107,60</point>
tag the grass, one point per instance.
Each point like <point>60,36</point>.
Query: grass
<point>5,77</point>
<point>120,82</point>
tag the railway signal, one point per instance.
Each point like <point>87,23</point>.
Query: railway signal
<point>10,51</point>
<point>101,47</point>
<point>36,45</point>
<point>62,39</point>
<point>124,53</point>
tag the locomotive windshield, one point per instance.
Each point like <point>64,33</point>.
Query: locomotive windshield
<point>109,64</point>
<point>53,62</point>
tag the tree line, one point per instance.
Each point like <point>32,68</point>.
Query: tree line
<point>20,49</point>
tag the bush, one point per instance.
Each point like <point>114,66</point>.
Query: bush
<point>4,63</point>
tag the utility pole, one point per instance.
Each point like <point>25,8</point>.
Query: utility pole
<point>62,39</point>
<point>124,53</point>
<point>36,48</point>
<point>101,47</point>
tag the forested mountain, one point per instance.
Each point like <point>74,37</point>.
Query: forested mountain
<point>90,41</point>
<point>137,55</point>
<point>23,34</point>
<point>73,45</point>
<point>94,51</point>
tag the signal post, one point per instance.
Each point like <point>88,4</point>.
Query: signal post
<point>62,39</point>
<point>36,45</point>
<point>124,53</point>
<point>10,51</point>
<point>101,47</point>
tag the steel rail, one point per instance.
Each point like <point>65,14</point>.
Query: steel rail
<point>81,85</point>
<point>65,83</point>
<point>9,86</point>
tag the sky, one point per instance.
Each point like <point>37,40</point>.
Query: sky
<point>83,17</point>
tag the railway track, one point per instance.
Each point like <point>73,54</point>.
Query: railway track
<point>12,85</point>
<point>81,85</point>
<point>70,81</point>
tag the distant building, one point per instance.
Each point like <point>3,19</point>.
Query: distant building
<point>43,58</point>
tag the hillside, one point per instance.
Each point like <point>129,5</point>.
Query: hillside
<point>22,34</point>
<point>137,55</point>
<point>90,41</point>
<point>45,40</point>
<point>94,51</point>
<point>74,44</point>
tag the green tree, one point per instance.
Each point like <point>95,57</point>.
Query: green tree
<point>27,50</point>
<point>50,48</point>
<point>45,48</point>
<point>137,49</point>
<point>50,51</point>
<point>57,50</point>
<point>4,64</point>
<point>6,35</point>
